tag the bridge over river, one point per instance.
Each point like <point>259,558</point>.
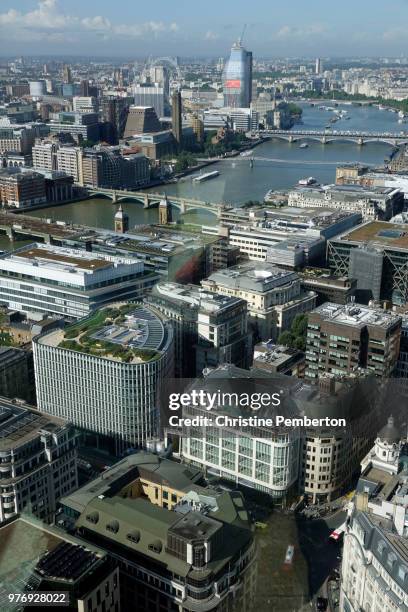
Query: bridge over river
<point>327,136</point>
<point>150,200</point>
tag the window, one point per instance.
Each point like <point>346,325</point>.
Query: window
<point>381,546</point>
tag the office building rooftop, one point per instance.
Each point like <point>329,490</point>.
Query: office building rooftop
<point>194,297</point>
<point>346,191</point>
<point>76,267</point>
<point>356,315</point>
<point>252,276</point>
<point>20,423</point>
<point>379,234</point>
<point>123,332</point>
<point>31,552</point>
<point>109,484</point>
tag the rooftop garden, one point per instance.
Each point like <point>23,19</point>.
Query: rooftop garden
<point>78,337</point>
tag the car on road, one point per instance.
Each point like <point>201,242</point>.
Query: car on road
<point>321,604</point>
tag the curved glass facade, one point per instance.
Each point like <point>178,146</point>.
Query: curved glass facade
<point>237,78</point>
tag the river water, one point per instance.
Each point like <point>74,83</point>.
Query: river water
<point>278,165</point>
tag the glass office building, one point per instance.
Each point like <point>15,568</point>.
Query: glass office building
<point>237,78</point>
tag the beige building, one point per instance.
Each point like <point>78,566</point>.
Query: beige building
<point>69,160</point>
<point>198,556</point>
<point>274,296</point>
<point>330,457</point>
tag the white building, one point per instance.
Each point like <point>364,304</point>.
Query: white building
<point>37,89</point>
<point>84,104</point>
<point>152,95</point>
<point>372,203</point>
<point>259,458</point>
<point>69,160</point>
<point>42,278</point>
<point>277,245</point>
<point>106,381</point>
<point>48,155</point>
<point>374,573</point>
<point>38,461</point>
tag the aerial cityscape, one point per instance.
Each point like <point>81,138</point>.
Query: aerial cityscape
<point>203,306</point>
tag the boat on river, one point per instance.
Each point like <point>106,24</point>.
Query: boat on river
<point>306,182</point>
<point>205,177</point>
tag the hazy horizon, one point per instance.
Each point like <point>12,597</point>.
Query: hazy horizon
<point>299,29</point>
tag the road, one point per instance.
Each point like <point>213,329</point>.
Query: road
<point>322,555</point>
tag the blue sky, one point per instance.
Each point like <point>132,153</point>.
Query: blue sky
<point>180,27</point>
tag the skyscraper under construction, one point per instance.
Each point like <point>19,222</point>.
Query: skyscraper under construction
<point>237,77</point>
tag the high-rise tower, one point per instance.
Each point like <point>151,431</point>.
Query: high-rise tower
<point>237,77</point>
<point>66,74</point>
<point>177,122</point>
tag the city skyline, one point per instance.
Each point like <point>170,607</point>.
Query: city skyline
<point>45,27</point>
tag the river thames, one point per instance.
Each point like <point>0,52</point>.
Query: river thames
<point>278,165</point>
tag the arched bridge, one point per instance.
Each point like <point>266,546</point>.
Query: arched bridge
<point>327,136</point>
<point>150,200</point>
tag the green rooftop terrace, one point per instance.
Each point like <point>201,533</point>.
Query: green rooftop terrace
<point>127,325</point>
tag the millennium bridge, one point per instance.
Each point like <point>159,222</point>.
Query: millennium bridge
<point>327,136</point>
<point>150,200</point>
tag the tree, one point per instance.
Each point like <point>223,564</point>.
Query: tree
<point>285,338</point>
<point>299,325</point>
<point>296,336</point>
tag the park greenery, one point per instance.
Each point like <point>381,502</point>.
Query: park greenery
<point>188,159</point>
<point>296,336</point>
<point>6,339</point>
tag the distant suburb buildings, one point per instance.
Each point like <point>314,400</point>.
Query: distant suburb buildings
<point>37,461</point>
<point>48,279</point>
<point>103,373</point>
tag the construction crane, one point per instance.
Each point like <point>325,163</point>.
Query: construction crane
<point>243,34</point>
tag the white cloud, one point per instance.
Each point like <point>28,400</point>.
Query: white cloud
<point>98,23</point>
<point>395,34</point>
<point>47,23</point>
<point>210,35</point>
<point>307,31</point>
